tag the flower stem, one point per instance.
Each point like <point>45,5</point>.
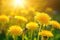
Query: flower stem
<point>43,27</point>
<point>31,34</point>
<point>6,36</point>
<point>39,31</point>
<point>23,36</point>
<point>15,37</point>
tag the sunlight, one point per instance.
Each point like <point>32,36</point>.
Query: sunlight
<point>19,3</point>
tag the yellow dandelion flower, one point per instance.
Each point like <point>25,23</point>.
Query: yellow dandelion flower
<point>55,24</point>
<point>4,18</point>
<point>32,25</point>
<point>21,19</point>
<point>46,33</point>
<point>43,18</point>
<point>15,30</point>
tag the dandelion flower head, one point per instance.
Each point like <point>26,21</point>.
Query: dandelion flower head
<point>46,33</point>
<point>55,24</point>
<point>43,18</point>
<point>32,25</point>
<point>4,18</point>
<point>21,19</point>
<point>15,30</point>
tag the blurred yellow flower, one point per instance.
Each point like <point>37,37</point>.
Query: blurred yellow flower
<point>15,30</point>
<point>21,19</point>
<point>43,18</point>
<point>32,25</point>
<point>4,18</point>
<point>55,24</point>
<point>46,33</point>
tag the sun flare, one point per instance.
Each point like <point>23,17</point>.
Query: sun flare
<point>18,3</point>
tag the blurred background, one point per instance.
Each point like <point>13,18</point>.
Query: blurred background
<point>51,6</point>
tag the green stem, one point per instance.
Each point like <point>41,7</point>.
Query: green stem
<point>31,34</point>
<point>39,31</point>
<point>15,37</point>
<point>23,36</point>
<point>40,28</point>
<point>43,27</point>
<point>38,36</point>
<point>6,36</point>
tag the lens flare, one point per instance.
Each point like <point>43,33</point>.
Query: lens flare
<point>18,3</point>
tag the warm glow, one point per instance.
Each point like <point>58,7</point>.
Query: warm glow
<point>18,3</point>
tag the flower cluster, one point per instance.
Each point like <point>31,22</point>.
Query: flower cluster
<point>28,20</point>
<point>38,24</point>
